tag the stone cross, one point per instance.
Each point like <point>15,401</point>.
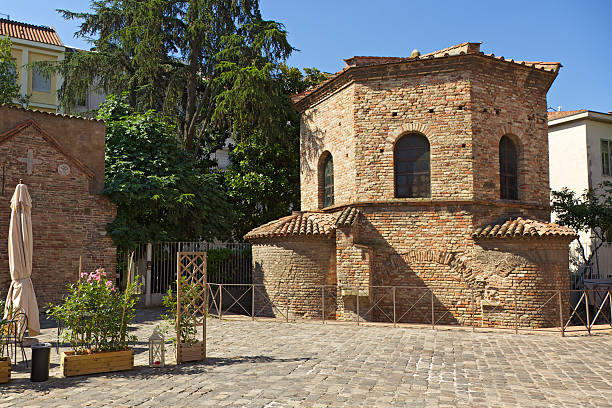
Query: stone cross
<point>30,161</point>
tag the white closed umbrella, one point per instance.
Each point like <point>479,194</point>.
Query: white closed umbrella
<point>21,293</point>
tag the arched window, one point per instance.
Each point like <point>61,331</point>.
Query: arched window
<point>328,181</point>
<point>508,169</point>
<point>411,161</point>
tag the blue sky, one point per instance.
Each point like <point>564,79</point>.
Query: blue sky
<point>576,33</point>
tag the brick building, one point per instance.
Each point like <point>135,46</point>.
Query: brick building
<point>428,173</point>
<point>61,159</point>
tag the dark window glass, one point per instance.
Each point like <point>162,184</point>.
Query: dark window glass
<point>328,182</point>
<point>508,169</point>
<point>411,158</point>
<point>606,149</point>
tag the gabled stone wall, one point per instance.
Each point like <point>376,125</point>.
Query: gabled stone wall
<point>68,220</point>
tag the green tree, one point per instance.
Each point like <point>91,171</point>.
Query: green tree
<point>168,56</point>
<point>263,178</point>
<point>10,91</point>
<point>160,190</point>
<point>590,212</point>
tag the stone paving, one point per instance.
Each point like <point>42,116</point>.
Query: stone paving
<point>307,364</point>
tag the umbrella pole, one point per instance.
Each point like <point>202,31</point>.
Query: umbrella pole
<point>80,267</point>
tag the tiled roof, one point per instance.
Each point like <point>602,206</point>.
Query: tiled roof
<point>523,228</point>
<point>24,31</point>
<point>305,223</point>
<point>347,217</point>
<point>563,114</point>
<point>61,115</point>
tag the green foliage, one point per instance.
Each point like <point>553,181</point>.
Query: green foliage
<point>95,314</point>
<point>161,192</point>
<point>10,91</point>
<point>5,318</point>
<point>263,179</point>
<point>189,294</point>
<point>590,212</point>
<point>169,56</point>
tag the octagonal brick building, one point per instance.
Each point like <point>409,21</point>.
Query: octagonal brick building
<point>424,180</point>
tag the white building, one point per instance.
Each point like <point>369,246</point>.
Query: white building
<point>580,158</point>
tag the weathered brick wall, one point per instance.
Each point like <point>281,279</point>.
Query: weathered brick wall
<point>67,220</point>
<point>432,99</point>
<point>84,139</point>
<point>463,105</point>
<point>294,268</point>
<point>328,127</point>
<point>510,99</point>
<point>353,273</point>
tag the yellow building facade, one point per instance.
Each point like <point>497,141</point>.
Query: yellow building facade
<point>31,43</point>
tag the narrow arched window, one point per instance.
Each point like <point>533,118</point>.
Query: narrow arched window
<point>328,181</point>
<point>508,169</point>
<point>411,161</point>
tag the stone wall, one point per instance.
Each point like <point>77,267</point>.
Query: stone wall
<point>68,221</point>
<point>429,98</point>
<point>294,268</point>
<point>508,99</point>
<point>328,128</point>
<point>82,138</point>
<point>425,247</point>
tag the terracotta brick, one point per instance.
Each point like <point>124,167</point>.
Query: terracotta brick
<point>68,220</point>
<point>463,104</point>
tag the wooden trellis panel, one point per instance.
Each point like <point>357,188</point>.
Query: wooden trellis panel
<point>191,269</point>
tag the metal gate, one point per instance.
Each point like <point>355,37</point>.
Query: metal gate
<point>155,264</point>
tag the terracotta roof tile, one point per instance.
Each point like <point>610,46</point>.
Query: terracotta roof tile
<point>563,114</point>
<point>298,223</point>
<point>523,228</point>
<point>24,31</point>
<point>306,223</point>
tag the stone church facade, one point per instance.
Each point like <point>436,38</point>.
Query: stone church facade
<point>428,174</point>
<point>61,160</point>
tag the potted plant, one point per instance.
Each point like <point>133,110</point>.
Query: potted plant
<point>5,332</point>
<point>185,327</point>
<point>95,316</point>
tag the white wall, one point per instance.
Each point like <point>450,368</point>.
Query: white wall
<point>595,132</point>
<point>575,163</point>
<point>568,167</point>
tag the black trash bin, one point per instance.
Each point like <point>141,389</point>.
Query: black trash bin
<point>41,355</point>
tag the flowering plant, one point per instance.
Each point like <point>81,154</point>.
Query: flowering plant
<point>95,314</point>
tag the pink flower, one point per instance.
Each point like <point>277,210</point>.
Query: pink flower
<point>89,279</point>
<point>109,284</point>
<point>83,274</point>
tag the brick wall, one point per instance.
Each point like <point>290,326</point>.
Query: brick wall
<point>68,221</point>
<point>290,268</point>
<point>510,100</point>
<point>463,104</point>
<point>328,128</point>
<point>84,139</point>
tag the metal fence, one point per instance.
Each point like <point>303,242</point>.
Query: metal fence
<point>155,264</point>
<point>565,312</point>
<point>578,277</point>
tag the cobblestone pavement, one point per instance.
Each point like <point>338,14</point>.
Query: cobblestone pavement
<point>271,364</point>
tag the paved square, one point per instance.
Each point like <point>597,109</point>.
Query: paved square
<point>307,364</point>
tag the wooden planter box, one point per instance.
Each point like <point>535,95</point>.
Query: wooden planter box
<point>80,364</point>
<point>5,369</point>
<point>194,352</point>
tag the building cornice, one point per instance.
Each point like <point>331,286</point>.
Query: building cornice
<point>588,115</point>
<point>426,202</point>
<point>380,71</point>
